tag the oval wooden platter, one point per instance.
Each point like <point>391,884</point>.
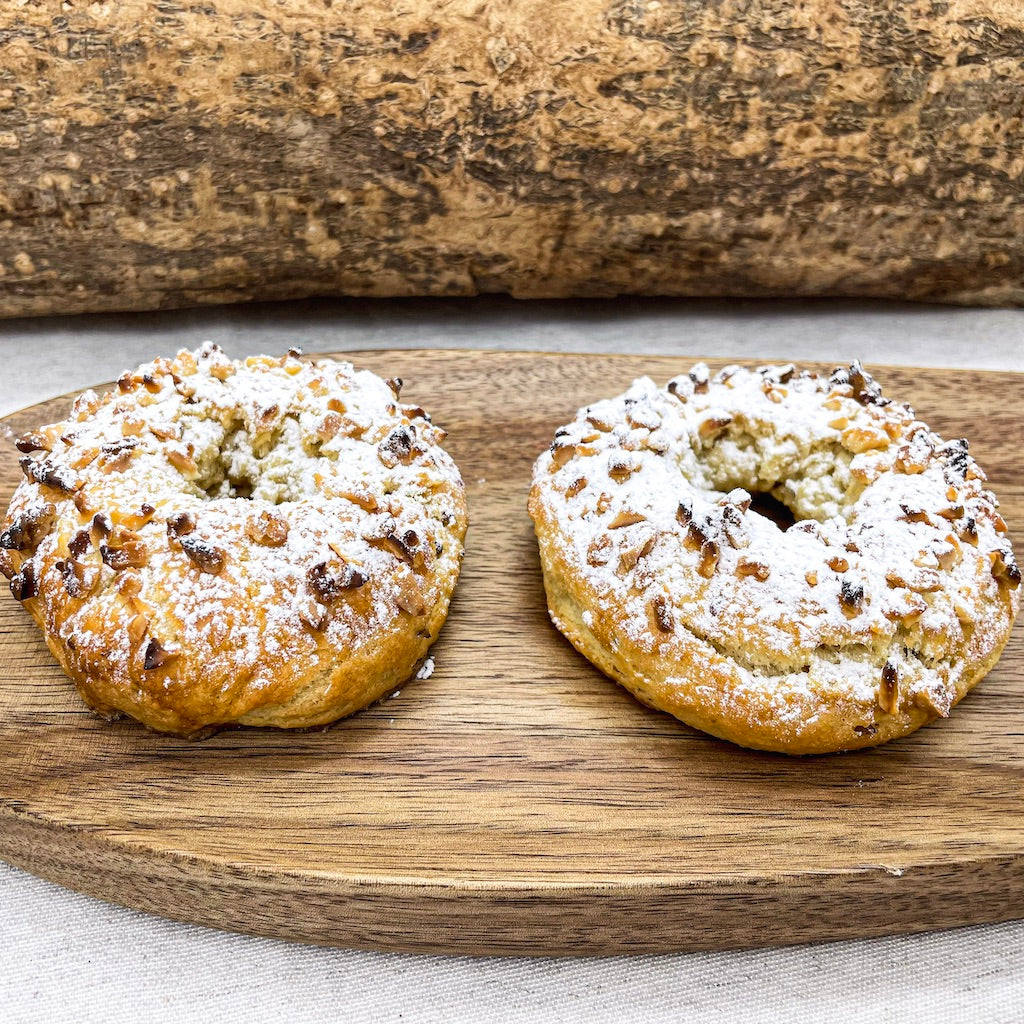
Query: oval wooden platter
<point>517,802</point>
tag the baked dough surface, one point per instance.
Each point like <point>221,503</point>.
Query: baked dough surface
<point>892,593</point>
<point>272,542</point>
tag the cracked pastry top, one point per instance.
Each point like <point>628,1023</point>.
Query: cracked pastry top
<point>263,542</point>
<point>891,592</point>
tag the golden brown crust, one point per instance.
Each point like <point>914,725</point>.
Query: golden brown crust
<point>168,596</point>
<point>893,594</point>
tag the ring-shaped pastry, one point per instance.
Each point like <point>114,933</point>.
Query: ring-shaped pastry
<point>892,591</point>
<point>269,542</point>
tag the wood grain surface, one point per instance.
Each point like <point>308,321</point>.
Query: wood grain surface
<point>517,802</point>
<point>219,150</point>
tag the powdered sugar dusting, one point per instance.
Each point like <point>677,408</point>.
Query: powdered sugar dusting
<point>279,511</point>
<point>887,572</point>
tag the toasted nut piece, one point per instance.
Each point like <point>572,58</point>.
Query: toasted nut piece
<point>179,524</point>
<point>632,554</point>
<point>79,544</point>
<point>330,581</point>
<point>1005,569</point>
<point>576,486</point>
<point>398,447</point>
<point>127,554</point>
<point>268,529</point>
<point>926,699</point>
<point>663,615</point>
<point>851,598</point>
<point>600,550</point>
<point>713,426</point>
<point>925,581</point>
<point>78,579</point>
<point>135,520</point>
<point>137,629</point>
<point>888,693</point>
<point>33,442</point>
<point>157,656</point>
<point>909,611</point>
<point>838,564</point>
<point>622,467</point>
<point>204,556</point>
<point>25,584</point>
<point>83,503</point>
<point>642,416</point>
<point>116,455</point>
<point>313,614</point>
<point>750,567</point>
<point>28,528</point>
<point>409,595</point>
<point>330,426</point>
<point>913,515</point>
<point>182,462</point>
<point>863,439</point>
<point>626,517</point>
<point>701,376</point>
<point>50,474</point>
<point>709,555</point>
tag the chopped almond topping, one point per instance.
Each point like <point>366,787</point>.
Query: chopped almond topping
<point>851,598</point>
<point>863,439</point>
<point>157,656</point>
<point>712,426</point>
<point>137,629</point>
<point>329,580</point>
<point>28,528</point>
<point>1005,569</point>
<point>626,517</point>
<point>599,550</point>
<point>709,555</point>
<point>924,699</point>
<point>634,552</point>
<point>204,556</point>
<point>911,514</point>
<point>888,692</point>
<point>268,529</point>
<point>25,584</point>
<point>33,442</point>
<point>409,595</point>
<point>622,467</point>
<point>750,567</point>
<point>125,554</point>
<point>663,616</point>
<point>313,614</point>
<point>183,463</point>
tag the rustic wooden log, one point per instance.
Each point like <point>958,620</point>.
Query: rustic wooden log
<point>168,153</point>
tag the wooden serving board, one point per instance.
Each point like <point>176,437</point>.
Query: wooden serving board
<point>517,801</point>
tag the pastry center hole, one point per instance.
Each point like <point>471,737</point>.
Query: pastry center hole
<point>270,466</point>
<point>770,507</point>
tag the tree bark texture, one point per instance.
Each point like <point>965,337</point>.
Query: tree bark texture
<point>169,153</point>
